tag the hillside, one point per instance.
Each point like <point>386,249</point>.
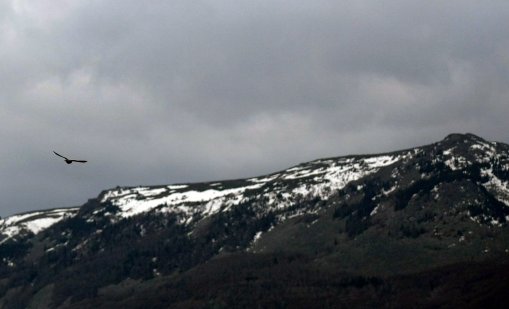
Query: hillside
<point>421,227</point>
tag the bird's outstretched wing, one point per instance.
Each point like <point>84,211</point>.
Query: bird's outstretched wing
<point>69,161</point>
<point>80,161</point>
<point>60,155</point>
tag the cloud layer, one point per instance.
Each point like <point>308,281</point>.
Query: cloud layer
<point>180,90</point>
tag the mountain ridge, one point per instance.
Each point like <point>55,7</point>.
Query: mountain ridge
<point>451,138</point>
<point>361,217</point>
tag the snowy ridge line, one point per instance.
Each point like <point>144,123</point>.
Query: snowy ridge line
<point>33,222</point>
<point>316,178</point>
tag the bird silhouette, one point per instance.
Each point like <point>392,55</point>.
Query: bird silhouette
<point>69,161</point>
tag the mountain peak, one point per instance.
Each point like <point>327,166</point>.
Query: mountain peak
<point>463,137</point>
<point>466,144</point>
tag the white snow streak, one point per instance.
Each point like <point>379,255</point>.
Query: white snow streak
<point>34,222</point>
<point>318,178</point>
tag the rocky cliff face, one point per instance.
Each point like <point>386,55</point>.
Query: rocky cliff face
<point>369,216</point>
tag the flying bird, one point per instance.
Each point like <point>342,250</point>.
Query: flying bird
<point>69,161</point>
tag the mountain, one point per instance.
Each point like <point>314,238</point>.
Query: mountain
<point>421,227</point>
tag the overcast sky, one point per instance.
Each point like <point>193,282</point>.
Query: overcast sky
<point>199,90</point>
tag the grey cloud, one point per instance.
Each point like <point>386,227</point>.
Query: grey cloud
<point>179,91</point>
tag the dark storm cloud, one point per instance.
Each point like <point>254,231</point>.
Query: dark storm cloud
<point>186,90</point>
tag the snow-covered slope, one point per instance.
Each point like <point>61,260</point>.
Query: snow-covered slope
<point>320,178</point>
<point>280,190</point>
<point>32,222</point>
<point>195,201</point>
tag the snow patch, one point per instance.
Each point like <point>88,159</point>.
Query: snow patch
<point>265,179</point>
<point>499,187</point>
<point>177,187</point>
<point>130,205</point>
<point>456,163</point>
<point>319,178</point>
<point>34,222</point>
<point>374,211</point>
<point>257,236</point>
<point>449,151</point>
